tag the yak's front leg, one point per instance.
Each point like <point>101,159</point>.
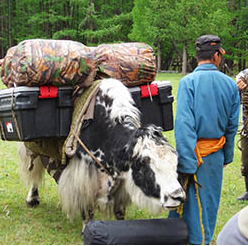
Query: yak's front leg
<point>33,199</point>
<point>119,211</point>
<point>121,201</point>
<point>86,217</point>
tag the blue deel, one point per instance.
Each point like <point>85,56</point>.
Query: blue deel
<point>207,107</point>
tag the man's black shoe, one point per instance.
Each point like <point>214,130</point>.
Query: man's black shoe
<point>244,197</point>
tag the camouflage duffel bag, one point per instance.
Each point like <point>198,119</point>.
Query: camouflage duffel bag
<point>5,65</point>
<point>131,63</point>
<point>37,62</point>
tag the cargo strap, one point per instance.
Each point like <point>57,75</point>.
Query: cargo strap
<point>48,91</point>
<point>81,113</point>
<point>1,124</point>
<point>14,116</point>
<point>56,149</point>
<point>2,130</point>
<point>82,105</point>
<point>149,90</point>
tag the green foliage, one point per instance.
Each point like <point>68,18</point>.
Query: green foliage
<point>106,24</point>
<point>180,21</point>
<point>167,25</point>
<point>140,13</point>
<point>87,21</point>
<point>70,34</point>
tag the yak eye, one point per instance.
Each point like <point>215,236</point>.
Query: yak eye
<point>158,134</point>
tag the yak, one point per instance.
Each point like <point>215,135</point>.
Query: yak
<point>128,163</point>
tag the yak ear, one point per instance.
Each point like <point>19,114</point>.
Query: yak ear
<point>124,153</point>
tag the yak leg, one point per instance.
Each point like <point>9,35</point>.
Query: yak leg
<point>119,211</point>
<point>32,172</point>
<point>33,199</point>
<point>121,201</point>
<point>86,218</point>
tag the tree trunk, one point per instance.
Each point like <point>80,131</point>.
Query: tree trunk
<point>9,24</point>
<point>2,28</point>
<point>182,55</point>
<point>184,64</point>
<point>159,58</point>
<point>245,43</point>
<point>91,19</point>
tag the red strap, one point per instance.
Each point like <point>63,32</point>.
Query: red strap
<point>48,92</point>
<point>149,90</point>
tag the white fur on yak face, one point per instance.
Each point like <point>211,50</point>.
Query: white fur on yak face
<point>162,160</point>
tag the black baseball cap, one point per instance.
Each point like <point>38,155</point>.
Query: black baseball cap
<point>209,43</point>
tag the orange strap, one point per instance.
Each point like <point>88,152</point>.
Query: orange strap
<point>206,147</point>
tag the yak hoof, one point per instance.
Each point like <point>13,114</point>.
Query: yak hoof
<point>83,227</point>
<point>33,203</point>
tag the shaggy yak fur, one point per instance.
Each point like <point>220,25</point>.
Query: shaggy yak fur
<point>140,166</point>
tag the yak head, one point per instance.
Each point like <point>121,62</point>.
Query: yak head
<point>152,180</point>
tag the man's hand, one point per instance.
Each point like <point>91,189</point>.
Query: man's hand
<point>241,84</point>
<point>183,176</point>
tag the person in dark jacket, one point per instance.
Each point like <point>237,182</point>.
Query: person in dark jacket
<point>241,80</point>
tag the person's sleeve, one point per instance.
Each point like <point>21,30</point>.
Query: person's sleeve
<point>185,133</point>
<point>232,128</point>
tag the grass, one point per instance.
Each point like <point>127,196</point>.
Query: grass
<point>46,224</point>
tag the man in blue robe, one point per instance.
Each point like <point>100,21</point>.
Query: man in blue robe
<point>206,123</point>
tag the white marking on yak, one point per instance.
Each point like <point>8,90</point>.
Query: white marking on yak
<point>123,104</point>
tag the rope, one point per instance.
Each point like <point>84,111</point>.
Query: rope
<point>149,90</point>
<point>90,154</point>
<point>185,186</point>
<point>79,111</point>
<point>14,115</point>
<point>181,207</point>
<point>200,209</point>
<point>2,130</point>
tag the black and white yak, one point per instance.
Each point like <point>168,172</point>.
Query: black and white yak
<point>138,164</point>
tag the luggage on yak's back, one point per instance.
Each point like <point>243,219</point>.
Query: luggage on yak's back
<point>38,62</point>
<point>6,65</point>
<point>136,232</point>
<point>131,63</point>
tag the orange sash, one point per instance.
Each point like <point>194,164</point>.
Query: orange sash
<point>206,147</point>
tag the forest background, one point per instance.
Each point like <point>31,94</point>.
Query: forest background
<point>169,26</point>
